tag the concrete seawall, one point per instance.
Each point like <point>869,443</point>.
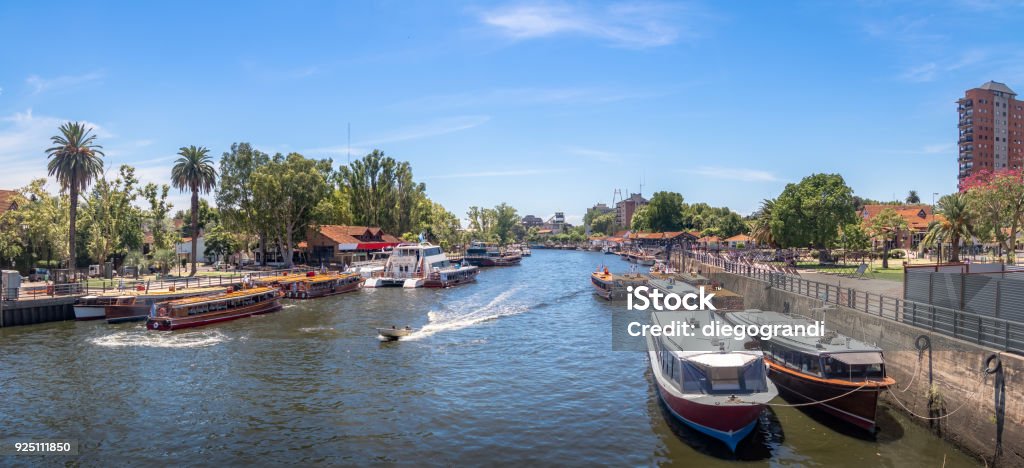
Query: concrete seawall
<point>28,312</point>
<point>949,384</point>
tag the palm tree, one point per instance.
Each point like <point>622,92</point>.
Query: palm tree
<point>194,172</point>
<point>761,227</point>
<point>75,162</point>
<point>956,224</point>
<point>912,198</point>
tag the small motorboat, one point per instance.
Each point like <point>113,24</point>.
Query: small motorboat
<point>393,334</point>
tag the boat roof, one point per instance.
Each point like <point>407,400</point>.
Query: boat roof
<point>698,344</point>
<point>832,343</point>
<point>220,297</point>
<point>327,277</point>
<point>682,287</point>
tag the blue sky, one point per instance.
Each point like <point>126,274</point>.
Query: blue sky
<point>549,106</point>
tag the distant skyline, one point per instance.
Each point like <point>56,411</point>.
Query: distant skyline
<point>549,106</point>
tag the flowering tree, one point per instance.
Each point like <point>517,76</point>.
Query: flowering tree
<point>997,200</point>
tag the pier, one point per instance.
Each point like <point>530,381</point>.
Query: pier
<point>964,391</point>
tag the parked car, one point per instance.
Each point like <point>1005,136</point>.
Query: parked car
<point>38,274</point>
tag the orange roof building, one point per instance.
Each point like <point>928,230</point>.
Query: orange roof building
<point>918,218</point>
<point>7,200</point>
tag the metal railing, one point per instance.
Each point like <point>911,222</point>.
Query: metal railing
<point>994,332</point>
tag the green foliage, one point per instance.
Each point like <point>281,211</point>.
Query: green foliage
<point>194,172</point>
<point>997,203</point>
<point>761,225</point>
<point>604,224</point>
<point>853,237</point>
<point>75,161</point>
<point>505,219</point>
<point>380,191</point>
<point>220,242</point>
<point>286,192</point>
<point>234,195</point>
<point>440,226</point>
<point>665,212</point>
<point>887,225</point>
<point>641,219</point>
<point>709,220</point>
<point>956,224</point>
<point>810,212</point>
<point>156,217</point>
<point>111,221</point>
<point>913,198</point>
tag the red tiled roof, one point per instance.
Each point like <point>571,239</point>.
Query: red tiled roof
<point>739,238</point>
<point>349,234</point>
<point>7,200</point>
<point>918,217</point>
<point>709,239</point>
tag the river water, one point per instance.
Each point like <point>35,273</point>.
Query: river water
<point>516,368</point>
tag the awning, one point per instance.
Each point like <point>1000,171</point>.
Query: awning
<point>861,358</point>
<point>367,245</point>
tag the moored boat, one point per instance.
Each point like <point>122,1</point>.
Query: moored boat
<point>611,287</point>
<point>414,265</point>
<point>313,286</point>
<point>93,307</point>
<point>845,375</point>
<point>136,307</point>
<point>713,385</point>
<point>489,255</point>
<point>206,310</point>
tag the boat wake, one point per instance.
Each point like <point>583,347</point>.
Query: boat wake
<point>143,338</point>
<point>455,317</point>
<point>316,329</point>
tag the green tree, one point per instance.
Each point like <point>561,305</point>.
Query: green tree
<point>440,225</point>
<point>913,198</point>
<point>111,220</point>
<point>810,212</point>
<point>219,241</point>
<point>761,227</point>
<point>604,224</point>
<point>234,194</point>
<point>194,172</point>
<point>665,212</point>
<point>887,225</point>
<point>156,217</point>
<point>854,237</point>
<point>381,192</point>
<point>641,219</point>
<point>75,161</point>
<point>287,191</point>
<point>505,219</point>
<point>997,201</point>
<point>954,225</point>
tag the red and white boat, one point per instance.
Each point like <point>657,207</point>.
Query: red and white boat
<point>93,307</point>
<point>206,310</point>
<point>422,265</point>
<point>713,385</point>
<point>137,306</point>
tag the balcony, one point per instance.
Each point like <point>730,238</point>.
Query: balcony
<point>966,139</point>
<point>966,122</point>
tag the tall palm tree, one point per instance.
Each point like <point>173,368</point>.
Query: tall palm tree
<point>913,198</point>
<point>956,224</point>
<point>761,228</point>
<point>194,172</point>
<point>75,162</point>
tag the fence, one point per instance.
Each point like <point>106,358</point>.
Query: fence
<point>985,330</point>
<point>990,290</point>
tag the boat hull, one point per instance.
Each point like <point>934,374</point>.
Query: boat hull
<point>126,313</point>
<point>165,323</point>
<point>89,312</point>
<point>857,408</point>
<point>342,289</point>
<point>448,283</point>
<point>729,424</point>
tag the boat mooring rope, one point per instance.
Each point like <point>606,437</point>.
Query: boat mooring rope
<point>969,399</point>
<point>922,343</point>
<point>811,403</point>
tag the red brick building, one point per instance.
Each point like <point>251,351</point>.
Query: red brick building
<point>918,218</point>
<point>345,244</point>
<point>991,130</point>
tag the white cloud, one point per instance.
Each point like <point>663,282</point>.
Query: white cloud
<point>414,132</point>
<point>624,25</point>
<point>733,173</point>
<point>40,84</point>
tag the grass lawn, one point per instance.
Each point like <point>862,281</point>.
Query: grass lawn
<point>875,270</point>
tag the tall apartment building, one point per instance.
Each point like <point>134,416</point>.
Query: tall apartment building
<point>991,130</point>
<point>624,209</point>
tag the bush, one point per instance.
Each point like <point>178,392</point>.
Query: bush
<point>898,254</point>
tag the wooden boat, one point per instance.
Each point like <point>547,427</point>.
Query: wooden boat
<point>137,307</point>
<point>844,374</point>
<point>279,281</point>
<point>489,255</point>
<point>393,334</point>
<point>713,385</point>
<point>611,287</point>
<point>723,299</point>
<point>206,310</point>
<point>414,266</point>
<point>93,307</point>
<point>314,286</point>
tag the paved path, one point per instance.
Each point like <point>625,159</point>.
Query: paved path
<point>877,286</point>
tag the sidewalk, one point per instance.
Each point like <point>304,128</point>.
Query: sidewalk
<point>876,286</point>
